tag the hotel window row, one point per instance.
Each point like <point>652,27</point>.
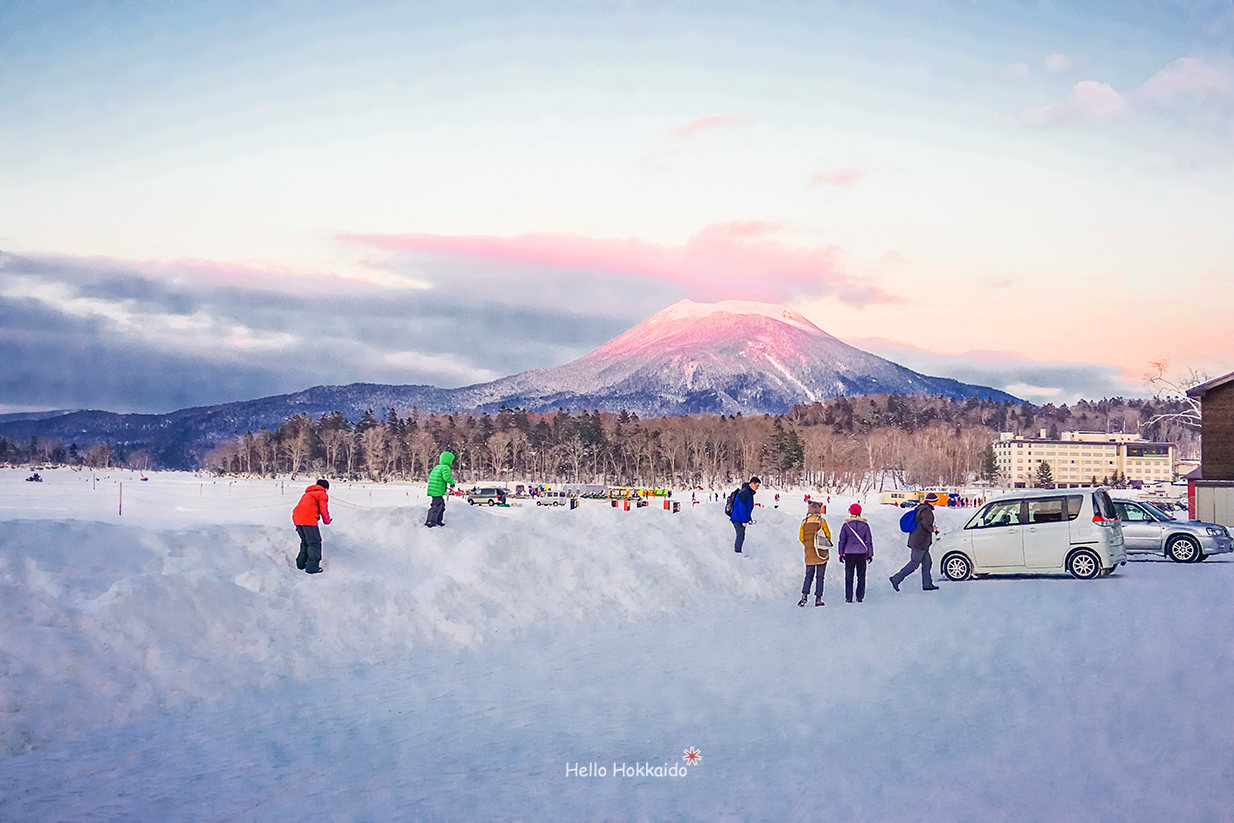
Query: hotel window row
<point>1080,458</point>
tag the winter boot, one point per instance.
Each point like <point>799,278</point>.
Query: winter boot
<point>818,601</point>
<point>802,601</point>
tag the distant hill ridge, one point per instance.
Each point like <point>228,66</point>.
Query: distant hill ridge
<point>721,358</point>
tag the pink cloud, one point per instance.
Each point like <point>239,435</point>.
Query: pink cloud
<point>1188,77</point>
<point>1090,98</point>
<point>710,121</point>
<point>1058,64</point>
<point>840,178</point>
<point>737,260</point>
<point>675,142</point>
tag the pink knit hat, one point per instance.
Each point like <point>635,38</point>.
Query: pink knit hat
<point>855,509</point>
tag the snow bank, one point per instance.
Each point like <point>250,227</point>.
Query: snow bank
<point>102,619</point>
<point>517,642</point>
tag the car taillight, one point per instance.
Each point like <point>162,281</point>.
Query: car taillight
<point>1104,521</point>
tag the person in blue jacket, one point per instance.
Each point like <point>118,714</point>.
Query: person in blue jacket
<point>743,511</point>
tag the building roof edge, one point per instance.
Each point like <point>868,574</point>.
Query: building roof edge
<point>1204,388</point>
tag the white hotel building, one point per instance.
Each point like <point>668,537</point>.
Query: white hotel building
<point>1082,458</point>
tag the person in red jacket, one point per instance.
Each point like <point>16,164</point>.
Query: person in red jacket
<point>313,505</point>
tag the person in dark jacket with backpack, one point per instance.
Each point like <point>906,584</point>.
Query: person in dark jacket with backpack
<point>856,548</point>
<point>743,511</point>
<point>919,540</point>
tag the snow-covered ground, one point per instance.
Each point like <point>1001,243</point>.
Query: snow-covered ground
<point>170,663</point>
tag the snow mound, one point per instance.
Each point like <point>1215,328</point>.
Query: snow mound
<point>102,621</point>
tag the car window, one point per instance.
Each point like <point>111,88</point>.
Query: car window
<point>1104,506</point>
<point>998,513</point>
<point>1130,512</point>
<point>1156,513</point>
<point>1047,510</point>
<point>1075,502</point>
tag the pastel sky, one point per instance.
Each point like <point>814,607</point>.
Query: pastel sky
<point>204,202</point>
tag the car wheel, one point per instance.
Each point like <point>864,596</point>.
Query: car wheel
<point>492,502</point>
<point>956,567</point>
<point>1183,550</point>
<point>471,502</point>
<point>1084,564</point>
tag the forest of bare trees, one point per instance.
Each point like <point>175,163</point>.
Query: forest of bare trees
<point>846,443</point>
<point>837,444</point>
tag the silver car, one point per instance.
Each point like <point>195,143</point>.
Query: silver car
<point>1148,530</point>
<point>1036,531</point>
<point>485,497</point>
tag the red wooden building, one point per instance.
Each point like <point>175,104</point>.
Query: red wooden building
<point>1210,489</point>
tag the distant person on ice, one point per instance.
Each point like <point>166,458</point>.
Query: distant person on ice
<point>312,506</point>
<point>816,558</point>
<point>439,480</point>
<point>919,540</point>
<point>743,511</point>
<point>856,548</point>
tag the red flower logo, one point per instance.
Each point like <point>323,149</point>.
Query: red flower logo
<point>692,756</point>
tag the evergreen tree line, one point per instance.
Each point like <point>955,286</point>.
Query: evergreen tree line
<point>837,444</point>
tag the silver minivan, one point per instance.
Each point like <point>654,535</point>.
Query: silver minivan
<point>1036,530</point>
<point>487,496</point>
<point>1149,530</point>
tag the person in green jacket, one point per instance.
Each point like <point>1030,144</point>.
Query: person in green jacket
<point>438,480</point>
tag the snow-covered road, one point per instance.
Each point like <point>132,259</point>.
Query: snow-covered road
<point>529,641</point>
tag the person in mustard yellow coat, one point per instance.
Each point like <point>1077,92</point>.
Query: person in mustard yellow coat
<point>816,559</point>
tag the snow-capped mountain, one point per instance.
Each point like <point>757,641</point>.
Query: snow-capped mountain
<point>721,358</point>
<point>726,357</point>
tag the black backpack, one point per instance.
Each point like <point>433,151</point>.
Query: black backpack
<point>731,502</point>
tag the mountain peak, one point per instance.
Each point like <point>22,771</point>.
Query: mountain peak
<point>689,310</point>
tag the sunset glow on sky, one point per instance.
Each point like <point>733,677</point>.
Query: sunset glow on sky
<point>209,202</point>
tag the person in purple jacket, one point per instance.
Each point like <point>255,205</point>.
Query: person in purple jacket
<point>856,549</point>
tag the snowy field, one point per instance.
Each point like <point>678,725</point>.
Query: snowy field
<point>169,663</point>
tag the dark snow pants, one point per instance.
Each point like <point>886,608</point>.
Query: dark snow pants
<point>310,549</point>
<point>436,511</point>
<point>741,535</point>
<point>855,564</point>
<point>816,573</point>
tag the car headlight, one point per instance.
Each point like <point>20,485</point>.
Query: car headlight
<point>1216,532</point>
